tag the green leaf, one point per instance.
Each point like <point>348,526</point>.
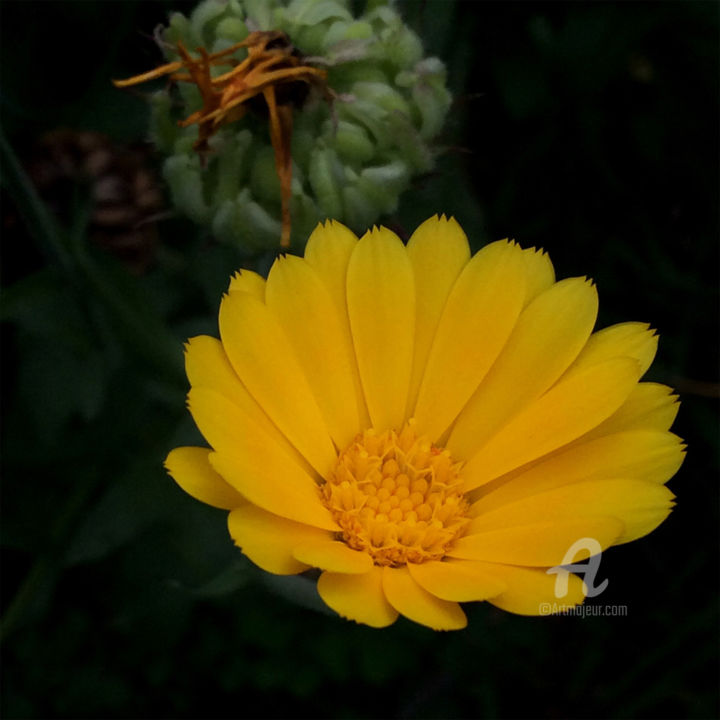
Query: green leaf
<point>135,318</point>
<point>297,589</point>
<point>137,499</point>
<point>227,581</point>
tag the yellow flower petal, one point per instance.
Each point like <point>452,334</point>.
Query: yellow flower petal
<point>302,304</point>
<point>417,604</point>
<point>630,339</point>
<point>549,334</point>
<point>249,282</point>
<point>640,505</point>
<point>649,406</point>
<point>207,366</point>
<point>531,591</point>
<point>456,580</point>
<point>265,361</point>
<point>251,462</point>
<point>268,540</point>
<point>479,315</point>
<point>540,544</point>
<point>358,597</point>
<point>333,556</point>
<point>438,251</point>
<point>568,410</point>
<point>190,469</point>
<point>328,252</point>
<point>539,273</point>
<point>381,306</point>
<point>646,455</point>
<point>274,483</point>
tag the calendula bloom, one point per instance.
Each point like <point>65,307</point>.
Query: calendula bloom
<point>423,426</point>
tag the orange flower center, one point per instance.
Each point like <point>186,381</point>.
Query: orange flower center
<point>397,497</point>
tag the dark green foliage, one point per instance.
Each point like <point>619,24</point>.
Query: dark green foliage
<point>587,128</point>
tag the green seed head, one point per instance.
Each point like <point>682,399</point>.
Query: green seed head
<point>351,161</point>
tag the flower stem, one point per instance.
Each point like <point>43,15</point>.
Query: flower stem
<point>33,210</point>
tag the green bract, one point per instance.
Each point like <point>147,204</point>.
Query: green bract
<point>350,163</point>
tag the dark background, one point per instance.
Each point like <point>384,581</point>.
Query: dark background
<point>587,128</point>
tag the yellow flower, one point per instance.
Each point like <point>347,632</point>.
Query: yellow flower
<point>423,426</point>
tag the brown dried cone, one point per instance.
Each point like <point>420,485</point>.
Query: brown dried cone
<point>123,189</point>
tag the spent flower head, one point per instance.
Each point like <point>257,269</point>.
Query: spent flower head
<point>423,426</point>
<point>351,104</point>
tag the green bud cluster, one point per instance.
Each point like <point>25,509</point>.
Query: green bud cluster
<point>351,162</point>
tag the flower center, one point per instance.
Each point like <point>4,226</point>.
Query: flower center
<point>397,497</point>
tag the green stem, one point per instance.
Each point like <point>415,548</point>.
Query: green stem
<point>33,210</point>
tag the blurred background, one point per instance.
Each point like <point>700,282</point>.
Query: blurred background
<point>590,129</point>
